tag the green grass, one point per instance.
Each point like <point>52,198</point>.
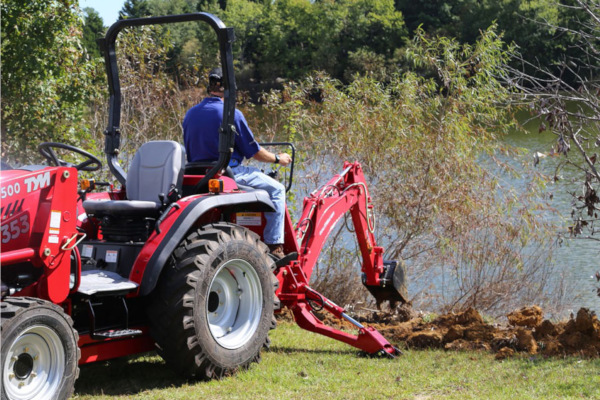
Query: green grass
<point>302,365</point>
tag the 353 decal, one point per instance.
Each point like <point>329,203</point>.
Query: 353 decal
<point>16,228</point>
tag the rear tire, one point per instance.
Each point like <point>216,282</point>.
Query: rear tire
<point>213,306</point>
<point>39,350</point>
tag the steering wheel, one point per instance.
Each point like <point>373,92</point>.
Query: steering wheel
<point>91,164</point>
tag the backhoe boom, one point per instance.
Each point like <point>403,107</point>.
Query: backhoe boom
<point>345,193</point>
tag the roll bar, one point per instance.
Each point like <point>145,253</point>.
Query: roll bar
<point>225,37</point>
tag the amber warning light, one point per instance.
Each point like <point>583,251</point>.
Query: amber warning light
<point>86,184</point>
<point>215,186</point>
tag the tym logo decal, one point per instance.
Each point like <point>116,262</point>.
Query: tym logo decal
<point>37,182</point>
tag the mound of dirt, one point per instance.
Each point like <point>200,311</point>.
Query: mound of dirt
<point>527,333</point>
<point>526,316</point>
<point>504,352</point>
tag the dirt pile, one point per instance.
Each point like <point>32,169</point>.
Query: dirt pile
<point>526,316</point>
<point>527,332</point>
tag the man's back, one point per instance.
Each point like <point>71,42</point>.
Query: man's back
<point>201,133</point>
<point>201,130</point>
<point>201,136</point>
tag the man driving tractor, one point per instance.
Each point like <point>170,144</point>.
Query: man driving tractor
<point>201,137</point>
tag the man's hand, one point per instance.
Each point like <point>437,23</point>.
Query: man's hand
<point>284,159</point>
<point>268,157</point>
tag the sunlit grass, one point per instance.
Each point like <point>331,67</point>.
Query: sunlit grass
<point>302,365</point>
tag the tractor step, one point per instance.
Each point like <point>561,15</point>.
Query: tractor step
<point>99,282</point>
<point>119,333</point>
<point>118,330</point>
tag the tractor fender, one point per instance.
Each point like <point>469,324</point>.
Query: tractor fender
<point>185,221</point>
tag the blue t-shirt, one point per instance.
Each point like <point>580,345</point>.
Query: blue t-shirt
<point>201,133</point>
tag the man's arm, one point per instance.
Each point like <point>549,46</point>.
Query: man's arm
<point>264,155</point>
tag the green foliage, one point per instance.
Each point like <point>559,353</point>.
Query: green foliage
<point>364,61</point>
<point>426,141</point>
<point>45,79</point>
<point>93,29</point>
<point>290,38</point>
<point>532,25</point>
<point>135,9</point>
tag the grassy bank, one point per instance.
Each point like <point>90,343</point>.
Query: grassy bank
<point>303,365</point>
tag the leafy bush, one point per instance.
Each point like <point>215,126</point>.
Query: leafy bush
<point>45,80</point>
<point>428,143</point>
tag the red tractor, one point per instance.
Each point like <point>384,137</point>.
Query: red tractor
<point>172,261</point>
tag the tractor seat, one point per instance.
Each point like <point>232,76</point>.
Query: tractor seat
<point>157,168</point>
<point>202,167</point>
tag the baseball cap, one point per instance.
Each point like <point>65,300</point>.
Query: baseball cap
<point>216,74</point>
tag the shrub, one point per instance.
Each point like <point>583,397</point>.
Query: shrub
<point>428,142</point>
<point>45,79</point>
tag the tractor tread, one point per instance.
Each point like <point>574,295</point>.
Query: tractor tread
<point>173,324</point>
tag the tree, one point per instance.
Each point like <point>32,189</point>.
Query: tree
<point>426,139</point>
<point>375,26</point>
<point>519,21</point>
<point>290,38</point>
<point>566,99</point>
<point>135,9</point>
<point>93,28</point>
<point>296,37</point>
<point>45,79</point>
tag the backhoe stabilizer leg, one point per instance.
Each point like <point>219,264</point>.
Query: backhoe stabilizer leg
<point>368,339</point>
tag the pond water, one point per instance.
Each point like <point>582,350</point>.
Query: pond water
<point>577,259</point>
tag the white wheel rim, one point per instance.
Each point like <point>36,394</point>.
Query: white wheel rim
<point>234,304</point>
<point>34,365</point>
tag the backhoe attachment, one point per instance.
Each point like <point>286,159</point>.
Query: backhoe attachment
<point>392,287</point>
<point>345,193</point>
<point>305,302</point>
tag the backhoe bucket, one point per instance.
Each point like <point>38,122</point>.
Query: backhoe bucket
<point>393,285</point>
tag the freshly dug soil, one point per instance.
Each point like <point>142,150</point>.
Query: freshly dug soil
<point>526,333</point>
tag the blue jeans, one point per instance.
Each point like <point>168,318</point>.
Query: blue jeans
<point>253,177</point>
